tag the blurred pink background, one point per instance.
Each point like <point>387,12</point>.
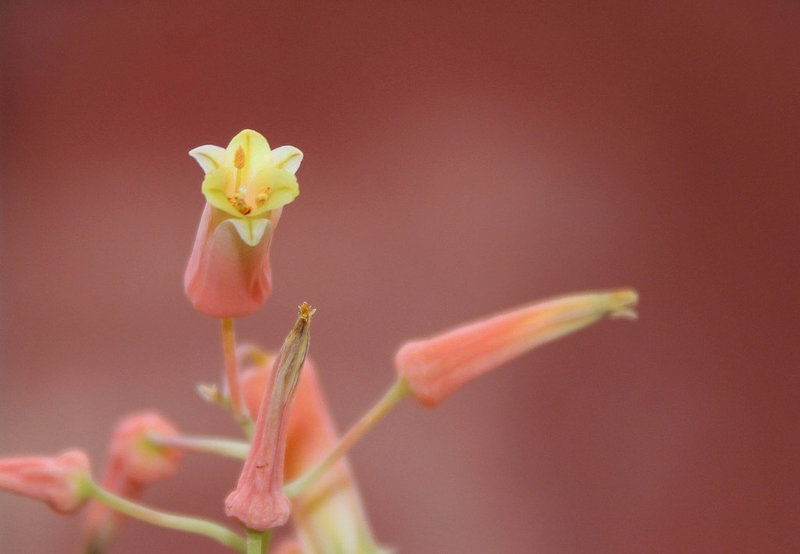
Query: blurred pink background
<point>461,158</point>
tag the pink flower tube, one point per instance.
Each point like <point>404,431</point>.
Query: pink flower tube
<point>58,481</point>
<point>246,185</point>
<point>258,502</point>
<point>438,366</point>
<point>329,517</point>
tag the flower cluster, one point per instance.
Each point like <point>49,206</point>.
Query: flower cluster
<point>294,460</point>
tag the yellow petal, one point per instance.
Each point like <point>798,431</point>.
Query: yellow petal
<point>282,185</point>
<point>209,157</point>
<point>287,157</point>
<point>215,189</point>
<point>257,154</point>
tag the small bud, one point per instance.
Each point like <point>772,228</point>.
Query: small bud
<point>438,366</point>
<point>142,461</point>
<point>258,502</point>
<point>135,462</point>
<point>58,481</point>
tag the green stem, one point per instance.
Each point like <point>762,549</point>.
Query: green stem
<point>258,541</point>
<point>396,392</point>
<point>210,445</point>
<point>163,519</point>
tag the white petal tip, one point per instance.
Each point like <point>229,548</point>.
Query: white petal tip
<point>251,231</point>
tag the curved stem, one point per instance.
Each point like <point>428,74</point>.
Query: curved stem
<point>396,392</point>
<point>164,519</point>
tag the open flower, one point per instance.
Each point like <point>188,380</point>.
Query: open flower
<point>246,186</point>
<point>438,366</point>
<point>59,481</point>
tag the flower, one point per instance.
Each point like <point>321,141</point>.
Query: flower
<point>140,460</point>
<point>329,516</point>
<point>59,481</point>
<point>134,463</point>
<point>258,502</point>
<point>246,186</point>
<point>436,367</point>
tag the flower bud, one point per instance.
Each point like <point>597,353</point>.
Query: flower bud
<point>58,481</point>
<point>246,186</point>
<point>258,502</point>
<point>141,460</point>
<point>438,366</point>
<point>135,462</point>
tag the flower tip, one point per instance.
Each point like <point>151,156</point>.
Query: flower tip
<point>622,304</point>
<point>305,312</point>
<point>438,366</point>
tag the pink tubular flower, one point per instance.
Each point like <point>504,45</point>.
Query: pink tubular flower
<point>436,367</point>
<point>258,502</point>
<point>140,460</point>
<point>58,481</point>
<point>246,186</point>
<point>329,517</point>
<point>134,463</point>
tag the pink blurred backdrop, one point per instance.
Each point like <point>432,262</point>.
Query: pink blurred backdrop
<point>461,157</point>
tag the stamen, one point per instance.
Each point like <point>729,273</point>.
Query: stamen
<point>239,203</point>
<point>238,158</point>
<point>262,197</point>
<point>238,163</point>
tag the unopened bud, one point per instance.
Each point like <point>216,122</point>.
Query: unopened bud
<point>59,481</point>
<point>438,366</point>
<point>135,462</point>
<point>141,460</point>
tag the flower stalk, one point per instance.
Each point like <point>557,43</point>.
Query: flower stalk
<point>258,542</point>
<point>383,406</point>
<point>231,375</point>
<point>177,522</point>
<point>230,448</point>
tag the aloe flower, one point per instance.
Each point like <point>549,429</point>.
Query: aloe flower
<point>329,517</point>
<point>258,502</point>
<point>58,481</point>
<point>246,186</point>
<point>438,366</point>
<point>135,462</point>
